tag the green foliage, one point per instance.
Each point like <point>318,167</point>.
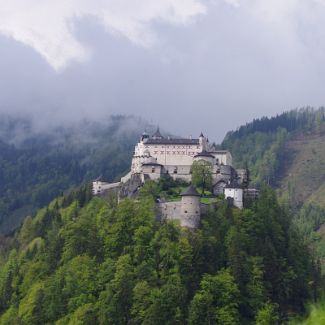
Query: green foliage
<point>30,308</point>
<point>83,261</point>
<point>316,315</point>
<point>8,273</point>
<point>267,315</point>
<point>260,144</point>
<point>217,300</point>
<point>165,188</point>
<point>10,317</point>
<point>36,167</point>
<point>202,175</point>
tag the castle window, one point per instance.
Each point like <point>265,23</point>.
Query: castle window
<point>175,170</point>
<point>185,211</point>
<point>153,169</point>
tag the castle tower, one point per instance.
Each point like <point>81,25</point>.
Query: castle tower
<point>203,142</point>
<point>190,208</point>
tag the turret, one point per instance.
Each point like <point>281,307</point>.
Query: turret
<point>144,136</point>
<point>157,135</point>
<point>190,208</point>
<point>203,142</point>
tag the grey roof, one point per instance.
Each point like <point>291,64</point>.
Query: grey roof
<point>226,170</point>
<point>190,191</point>
<point>173,141</point>
<point>233,184</point>
<point>204,154</point>
<point>220,151</point>
<point>151,164</point>
<point>99,179</point>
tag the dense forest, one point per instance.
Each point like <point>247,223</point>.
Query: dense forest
<point>36,166</point>
<point>259,144</point>
<point>85,260</point>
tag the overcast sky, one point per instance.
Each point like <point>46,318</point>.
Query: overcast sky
<point>187,65</point>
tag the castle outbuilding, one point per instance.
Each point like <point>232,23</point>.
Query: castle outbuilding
<point>235,193</point>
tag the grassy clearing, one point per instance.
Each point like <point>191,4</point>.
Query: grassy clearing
<point>316,316</point>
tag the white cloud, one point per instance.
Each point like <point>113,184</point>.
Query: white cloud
<point>48,25</point>
<point>234,3</point>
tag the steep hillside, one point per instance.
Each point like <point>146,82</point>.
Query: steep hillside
<point>272,147</point>
<point>37,165</point>
<point>83,260</point>
<point>288,152</point>
<point>302,174</point>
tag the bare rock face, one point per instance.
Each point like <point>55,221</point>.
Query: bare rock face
<point>131,187</point>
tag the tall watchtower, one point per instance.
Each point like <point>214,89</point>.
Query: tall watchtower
<point>190,208</point>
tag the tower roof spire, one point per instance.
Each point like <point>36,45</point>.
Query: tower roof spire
<point>157,134</point>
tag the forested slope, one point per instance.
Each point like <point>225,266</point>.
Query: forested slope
<point>36,166</point>
<point>261,145</point>
<point>84,260</point>
<point>288,152</point>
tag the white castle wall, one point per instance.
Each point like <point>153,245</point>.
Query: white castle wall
<point>237,195</point>
<point>222,157</point>
<point>99,186</point>
<point>173,154</point>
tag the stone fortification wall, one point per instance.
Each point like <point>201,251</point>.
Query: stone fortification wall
<point>169,210</point>
<point>173,211</point>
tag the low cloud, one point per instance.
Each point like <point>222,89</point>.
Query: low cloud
<point>187,65</point>
<point>50,26</point>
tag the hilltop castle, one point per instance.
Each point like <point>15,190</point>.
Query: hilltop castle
<point>155,156</point>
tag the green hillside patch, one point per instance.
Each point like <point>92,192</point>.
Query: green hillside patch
<point>302,176</point>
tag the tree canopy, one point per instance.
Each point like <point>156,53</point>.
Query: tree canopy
<point>202,175</point>
<point>85,260</point>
